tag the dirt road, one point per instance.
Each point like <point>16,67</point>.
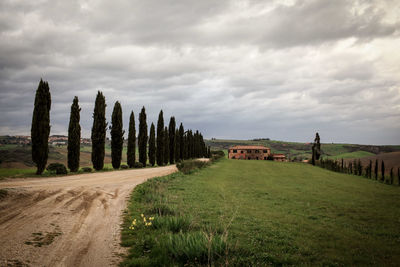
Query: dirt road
<point>67,221</point>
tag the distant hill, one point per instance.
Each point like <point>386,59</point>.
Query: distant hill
<point>302,151</point>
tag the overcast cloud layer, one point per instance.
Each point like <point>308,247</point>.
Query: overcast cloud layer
<point>232,69</point>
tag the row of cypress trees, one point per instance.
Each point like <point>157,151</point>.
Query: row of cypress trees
<point>170,144</point>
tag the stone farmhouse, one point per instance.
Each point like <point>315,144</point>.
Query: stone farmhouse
<point>254,153</point>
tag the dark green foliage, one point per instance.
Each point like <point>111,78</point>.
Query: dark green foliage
<point>142,138</point>
<point>138,165</point>
<point>57,168</point>
<point>383,171</point>
<point>209,152</point>
<point>177,148</point>
<point>316,148</point>
<point>376,169</point>
<point>172,140</point>
<point>360,168</point>
<point>166,145</point>
<point>74,137</point>
<point>187,166</point>
<point>391,176</point>
<point>152,145</point>
<point>40,129</point>
<point>160,140</point>
<point>131,149</point>
<point>174,224</point>
<point>117,136</point>
<point>99,132</point>
<point>398,176</point>
<point>87,169</point>
<point>181,142</point>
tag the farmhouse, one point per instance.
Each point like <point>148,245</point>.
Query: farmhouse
<point>253,152</point>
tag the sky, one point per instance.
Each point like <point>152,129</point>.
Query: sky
<point>231,69</point>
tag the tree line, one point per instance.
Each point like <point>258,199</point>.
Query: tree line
<point>354,167</point>
<point>171,144</point>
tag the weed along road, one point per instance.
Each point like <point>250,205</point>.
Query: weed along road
<point>67,221</point>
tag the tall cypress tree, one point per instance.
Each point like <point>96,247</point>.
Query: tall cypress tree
<point>181,142</point>
<point>99,132</point>
<point>172,140</point>
<point>376,169</point>
<point>117,136</point>
<point>166,145</point>
<point>74,136</point>
<point>391,175</point>
<point>131,150</point>
<point>398,176</point>
<point>160,139</point>
<point>177,145</point>
<point>40,128</point>
<point>152,145</point>
<point>142,137</point>
<point>383,171</point>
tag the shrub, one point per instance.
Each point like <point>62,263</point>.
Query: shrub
<point>172,223</point>
<point>162,209</point>
<point>87,169</point>
<point>57,168</point>
<point>138,165</point>
<point>124,167</point>
<point>187,166</point>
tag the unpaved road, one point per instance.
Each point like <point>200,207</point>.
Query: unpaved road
<point>67,221</point>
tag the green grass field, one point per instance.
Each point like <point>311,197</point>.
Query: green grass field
<point>274,214</point>
<point>353,155</point>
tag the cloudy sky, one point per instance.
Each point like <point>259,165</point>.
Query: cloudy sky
<point>232,69</point>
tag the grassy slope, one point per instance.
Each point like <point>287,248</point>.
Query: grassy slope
<point>353,155</point>
<point>292,213</point>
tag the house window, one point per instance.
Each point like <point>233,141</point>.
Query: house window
<point>257,151</point>
<point>265,158</point>
<point>265,151</point>
<point>234,151</point>
<point>249,151</point>
<point>241,152</point>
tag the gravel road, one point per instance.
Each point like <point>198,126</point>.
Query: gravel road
<point>67,221</point>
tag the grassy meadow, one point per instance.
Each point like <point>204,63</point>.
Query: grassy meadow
<point>257,213</point>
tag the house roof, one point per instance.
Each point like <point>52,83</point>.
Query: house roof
<point>249,147</point>
<point>279,155</point>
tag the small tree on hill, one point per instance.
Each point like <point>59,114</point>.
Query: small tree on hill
<point>152,145</point>
<point>99,132</point>
<point>166,145</point>
<point>74,136</point>
<point>117,136</point>
<point>316,148</point>
<point>172,140</point>
<point>383,171</point>
<point>391,175</point>
<point>131,149</point>
<point>142,137</point>
<point>40,129</point>
<point>376,169</point>
<point>160,139</point>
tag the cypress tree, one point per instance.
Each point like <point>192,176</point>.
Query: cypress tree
<point>370,169</point>
<point>152,145</point>
<point>74,136</point>
<point>166,145</point>
<point>391,175</point>
<point>177,146</point>
<point>40,128</point>
<point>398,176</point>
<point>316,148</point>
<point>142,137</point>
<point>131,150</point>
<point>181,142</point>
<point>160,140</point>
<point>172,140</point>
<point>209,152</point>
<point>383,171</point>
<point>359,168</point>
<point>376,169</point>
<point>117,136</point>
<point>99,132</point>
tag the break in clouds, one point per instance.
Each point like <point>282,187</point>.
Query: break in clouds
<point>232,69</point>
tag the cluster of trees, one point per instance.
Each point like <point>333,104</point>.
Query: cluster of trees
<point>355,167</point>
<point>170,145</point>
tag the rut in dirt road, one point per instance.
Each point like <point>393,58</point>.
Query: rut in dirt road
<point>67,221</point>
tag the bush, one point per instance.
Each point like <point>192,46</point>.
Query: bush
<point>138,165</point>
<point>216,155</point>
<point>162,209</point>
<point>124,167</point>
<point>57,168</point>
<point>87,169</point>
<point>187,166</point>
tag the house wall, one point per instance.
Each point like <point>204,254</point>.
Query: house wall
<point>249,154</point>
